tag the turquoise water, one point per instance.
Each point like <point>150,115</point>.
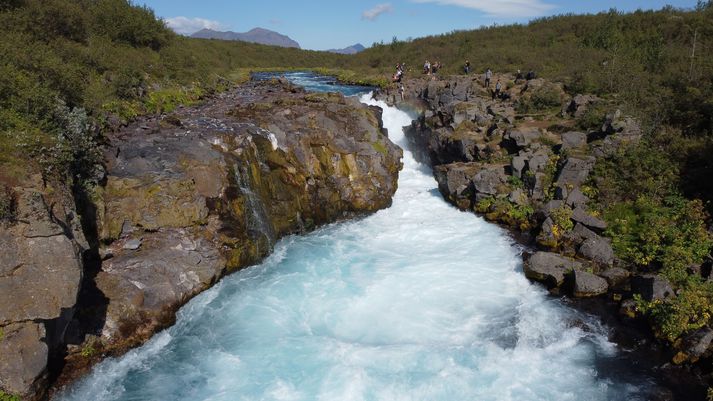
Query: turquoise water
<point>416,302</point>
<point>315,83</point>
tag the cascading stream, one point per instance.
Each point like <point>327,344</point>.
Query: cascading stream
<point>416,302</point>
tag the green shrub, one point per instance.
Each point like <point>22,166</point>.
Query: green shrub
<point>593,118</point>
<point>546,97</point>
<point>690,310</point>
<point>640,170</point>
<point>562,219</point>
<point>669,235</point>
<point>515,182</point>
<point>9,397</point>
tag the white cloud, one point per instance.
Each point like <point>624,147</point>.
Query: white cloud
<point>187,26</point>
<point>500,8</point>
<point>375,12</point>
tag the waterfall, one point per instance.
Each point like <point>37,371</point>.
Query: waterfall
<point>258,224</point>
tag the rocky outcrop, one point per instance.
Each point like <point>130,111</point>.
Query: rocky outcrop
<point>211,189</point>
<point>187,198</point>
<point>41,269</point>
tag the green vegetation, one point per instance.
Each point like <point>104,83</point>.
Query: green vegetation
<point>502,210</point>
<point>667,236</point>
<point>95,57</point>
<point>562,219</point>
<point>8,397</point>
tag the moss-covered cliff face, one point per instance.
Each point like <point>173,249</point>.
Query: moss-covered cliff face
<point>187,198</point>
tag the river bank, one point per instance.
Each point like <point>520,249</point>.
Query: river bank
<point>186,198</point>
<point>530,172</point>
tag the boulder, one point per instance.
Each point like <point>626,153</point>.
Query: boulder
<point>652,287</point>
<point>490,180</point>
<point>573,140</point>
<point>588,285</point>
<point>615,276</point>
<point>695,345</point>
<point>518,165</point>
<point>455,182</point>
<point>575,198</point>
<point>581,233</point>
<point>549,268</point>
<point>579,105</point>
<point>598,250</point>
<point>520,138</point>
<point>574,172</point>
<point>579,215</point>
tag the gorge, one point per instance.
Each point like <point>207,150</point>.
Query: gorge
<point>418,301</point>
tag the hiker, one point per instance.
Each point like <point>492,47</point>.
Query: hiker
<point>427,68</point>
<point>488,77</point>
<point>434,67</point>
<point>402,90</point>
<point>399,74</point>
<point>519,77</point>
<point>498,88</point>
<point>466,67</point>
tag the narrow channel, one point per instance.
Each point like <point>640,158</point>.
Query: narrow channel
<point>416,302</point>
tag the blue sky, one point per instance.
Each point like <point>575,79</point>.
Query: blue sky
<point>325,24</point>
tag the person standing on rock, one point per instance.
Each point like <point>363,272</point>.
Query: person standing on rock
<point>466,67</point>
<point>399,74</point>
<point>498,88</point>
<point>488,77</point>
<point>427,68</point>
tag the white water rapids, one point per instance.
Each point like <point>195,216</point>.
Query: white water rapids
<point>416,302</point>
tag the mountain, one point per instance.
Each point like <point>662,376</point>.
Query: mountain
<point>256,35</point>
<point>353,49</point>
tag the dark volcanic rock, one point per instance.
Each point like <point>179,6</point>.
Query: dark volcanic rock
<point>549,268</point>
<point>588,284</point>
<point>652,287</point>
<point>574,140</point>
<point>40,277</point>
<point>695,345</point>
<point>579,215</point>
<point>598,250</point>
<point>615,276</point>
<point>520,138</point>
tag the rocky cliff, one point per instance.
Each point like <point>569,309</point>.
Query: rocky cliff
<point>187,198</point>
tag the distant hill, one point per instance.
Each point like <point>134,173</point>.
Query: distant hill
<point>353,49</point>
<point>256,35</point>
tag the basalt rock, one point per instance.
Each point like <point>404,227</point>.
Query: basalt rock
<point>652,287</point>
<point>41,270</point>
<point>588,285</point>
<point>549,268</point>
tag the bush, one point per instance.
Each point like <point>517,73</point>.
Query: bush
<point>690,310</point>
<point>668,236</point>
<point>641,170</point>
<point>9,397</point>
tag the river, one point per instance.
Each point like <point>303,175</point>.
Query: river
<point>416,302</point>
